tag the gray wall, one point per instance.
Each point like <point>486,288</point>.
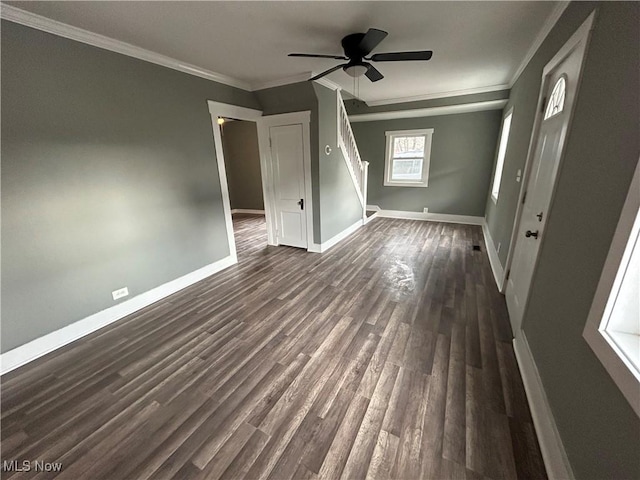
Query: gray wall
<point>600,431</point>
<point>462,154</point>
<point>109,179</point>
<point>339,204</point>
<point>242,162</point>
<point>335,202</point>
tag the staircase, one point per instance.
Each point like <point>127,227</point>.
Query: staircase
<point>358,169</point>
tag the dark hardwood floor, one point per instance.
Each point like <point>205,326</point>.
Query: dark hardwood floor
<point>389,356</point>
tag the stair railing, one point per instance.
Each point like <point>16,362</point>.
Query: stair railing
<point>358,169</point>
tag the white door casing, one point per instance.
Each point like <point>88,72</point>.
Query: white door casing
<point>287,225</point>
<point>290,196</point>
<point>545,155</point>
<point>216,110</point>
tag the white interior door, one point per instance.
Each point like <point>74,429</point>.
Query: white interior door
<point>560,87</point>
<point>287,154</point>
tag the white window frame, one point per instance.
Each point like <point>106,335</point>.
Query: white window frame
<point>502,152</point>
<point>424,182</point>
<point>606,343</point>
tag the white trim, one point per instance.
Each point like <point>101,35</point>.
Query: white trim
<point>623,372</point>
<point>339,237</point>
<point>325,82</point>
<point>218,109</point>
<point>39,22</point>
<point>388,181</point>
<point>431,217</point>
<point>314,248</point>
<point>247,210</point>
<point>492,253</point>
<point>279,82</point>
<point>300,77</point>
<point>45,24</point>
<point>266,163</point>
<point>430,112</point>
<point>582,34</point>
<point>432,96</point>
<point>551,447</point>
<point>59,338</point>
<point>370,217</point>
<point>548,25</point>
<point>373,208</point>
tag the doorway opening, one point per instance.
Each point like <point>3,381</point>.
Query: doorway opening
<point>285,162</point>
<point>244,180</point>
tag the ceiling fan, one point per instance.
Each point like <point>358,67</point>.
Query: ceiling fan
<point>356,48</point>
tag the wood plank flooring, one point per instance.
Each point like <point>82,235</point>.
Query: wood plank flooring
<point>387,357</point>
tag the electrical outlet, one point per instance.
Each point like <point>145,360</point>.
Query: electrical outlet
<point>518,175</point>
<point>121,292</point>
<point>425,210</point>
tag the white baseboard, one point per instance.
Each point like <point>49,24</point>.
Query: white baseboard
<point>59,338</point>
<point>373,208</point>
<point>553,452</point>
<point>247,210</point>
<point>431,217</point>
<point>336,239</point>
<point>314,248</point>
<point>496,266</point>
<point>370,217</point>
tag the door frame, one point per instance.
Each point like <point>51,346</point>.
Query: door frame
<point>268,178</point>
<point>580,40</point>
<point>218,109</point>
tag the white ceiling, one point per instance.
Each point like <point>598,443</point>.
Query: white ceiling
<point>476,45</point>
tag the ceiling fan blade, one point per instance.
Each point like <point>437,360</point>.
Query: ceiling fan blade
<point>401,56</point>
<point>316,55</point>
<point>327,72</point>
<point>373,74</point>
<point>371,40</point>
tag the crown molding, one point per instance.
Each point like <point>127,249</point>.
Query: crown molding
<point>327,83</point>
<point>301,77</point>
<point>23,17</point>
<point>552,19</point>
<point>430,112</point>
<point>432,96</point>
<point>17,15</point>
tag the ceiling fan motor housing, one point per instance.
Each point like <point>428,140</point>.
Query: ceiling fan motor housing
<point>351,46</point>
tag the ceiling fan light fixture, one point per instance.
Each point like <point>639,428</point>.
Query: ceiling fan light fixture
<point>355,70</point>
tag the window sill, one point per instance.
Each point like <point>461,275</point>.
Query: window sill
<point>405,184</point>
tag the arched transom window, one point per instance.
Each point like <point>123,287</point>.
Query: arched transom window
<point>556,101</point>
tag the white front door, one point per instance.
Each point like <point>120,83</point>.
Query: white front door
<point>560,92</point>
<point>287,153</point>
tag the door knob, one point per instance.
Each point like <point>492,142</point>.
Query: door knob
<point>539,216</point>
<point>531,234</point>
<point>301,203</point>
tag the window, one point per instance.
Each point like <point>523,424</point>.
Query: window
<point>556,100</point>
<point>407,162</point>
<point>613,325</point>
<point>502,150</point>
